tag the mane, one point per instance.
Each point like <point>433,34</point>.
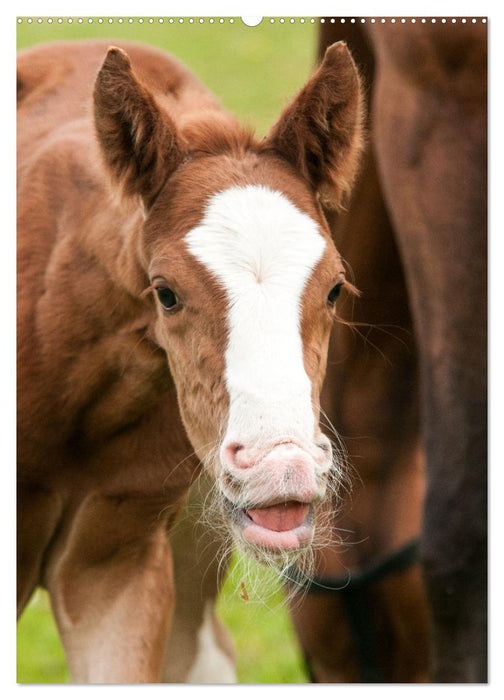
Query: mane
<point>212,132</point>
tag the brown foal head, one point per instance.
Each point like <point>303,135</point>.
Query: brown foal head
<point>244,278</point>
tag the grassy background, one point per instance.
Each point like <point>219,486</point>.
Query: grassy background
<point>254,71</point>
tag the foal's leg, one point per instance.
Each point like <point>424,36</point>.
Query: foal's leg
<point>430,119</point>
<point>199,648</point>
<point>38,512</point>
<point>112,593</point>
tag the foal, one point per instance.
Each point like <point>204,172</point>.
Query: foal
<point>177,286</point>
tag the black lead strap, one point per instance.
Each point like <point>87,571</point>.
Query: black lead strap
<point>353,589</point>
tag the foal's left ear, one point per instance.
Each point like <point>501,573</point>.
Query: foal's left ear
<point>320,132</point>
<point>139,142</point>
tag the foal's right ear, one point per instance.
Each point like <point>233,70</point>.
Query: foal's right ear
<point>139,142</point>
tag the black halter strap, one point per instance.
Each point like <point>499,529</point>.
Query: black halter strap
<point>353,589</point>
<point>396,561</point>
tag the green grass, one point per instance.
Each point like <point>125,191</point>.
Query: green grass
<point>265,641</point>
<point>40,657</point>
<point>254,71</point>
<point>266,646</point>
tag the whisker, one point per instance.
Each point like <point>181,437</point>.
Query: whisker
<point>354,326</point>
<point>266,573</point>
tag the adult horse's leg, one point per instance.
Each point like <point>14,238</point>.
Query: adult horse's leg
<point>430,138</point>
<point>199,647</point>
<point>377,631</point>
<point>111,589</point>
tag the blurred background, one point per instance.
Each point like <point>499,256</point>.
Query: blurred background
<point>254,71</point>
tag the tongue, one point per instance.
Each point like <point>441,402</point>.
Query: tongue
<point>282,517</point>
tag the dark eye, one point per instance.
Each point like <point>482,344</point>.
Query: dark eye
<point>334,293</point>
<point>168,299</point>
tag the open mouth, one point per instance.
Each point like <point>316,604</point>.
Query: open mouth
<point>277,527</point>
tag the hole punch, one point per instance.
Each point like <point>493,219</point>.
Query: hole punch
<point>251,21</point>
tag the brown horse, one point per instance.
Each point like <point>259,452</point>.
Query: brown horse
<point>415,236</point>
<point>177,288</point>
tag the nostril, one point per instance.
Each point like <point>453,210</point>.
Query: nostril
<point>326,447</point>
<point>235,456</point>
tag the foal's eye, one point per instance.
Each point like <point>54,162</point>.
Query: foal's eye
<point>334,293</point>
<point>168,299</point>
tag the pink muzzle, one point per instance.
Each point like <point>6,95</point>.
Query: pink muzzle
<point>277,490</point>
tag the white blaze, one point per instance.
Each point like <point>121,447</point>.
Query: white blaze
<point>262,249</point>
